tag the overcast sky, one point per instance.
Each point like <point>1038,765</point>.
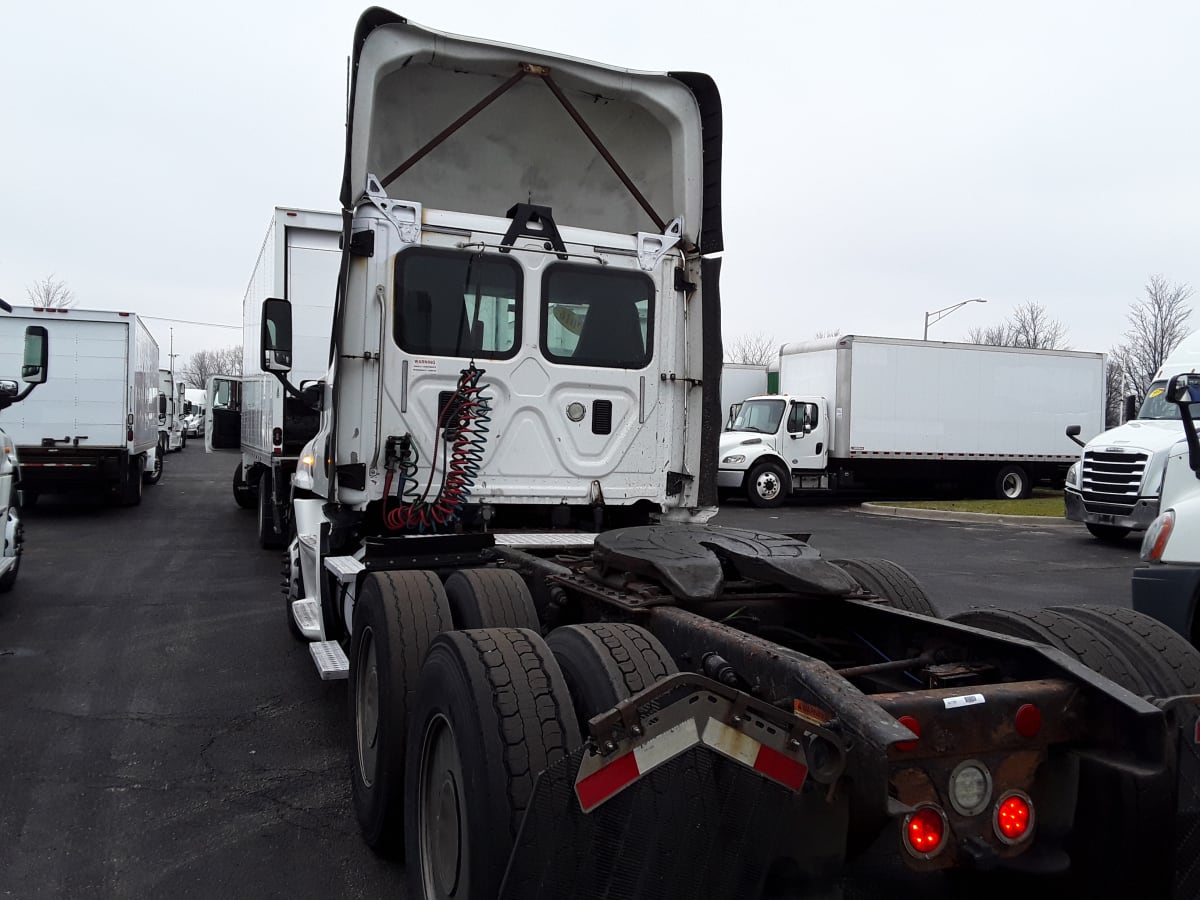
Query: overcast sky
<point>881,159</point>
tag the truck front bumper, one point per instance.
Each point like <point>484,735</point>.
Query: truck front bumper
<point>1138,519</point>
<point>730,478</point>
<point>1168,593</point>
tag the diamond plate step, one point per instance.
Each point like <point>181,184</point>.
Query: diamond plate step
<point>307,614</point>
<point>544,541</point>
<point>330,659</point>
<point>344,568</point>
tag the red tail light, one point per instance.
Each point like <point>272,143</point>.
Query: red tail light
<point>1014,818</point>
<point>1028,721</point>
<point>912,725</point>
<point>925,831</point>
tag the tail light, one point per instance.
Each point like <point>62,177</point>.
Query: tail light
<point>1014,817</point>
<point>1028,720</point>
<point>912,725</point>
<point>277,436</point>
<point>925,832</point>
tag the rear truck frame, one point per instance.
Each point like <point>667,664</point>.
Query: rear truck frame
<point>562,682</point>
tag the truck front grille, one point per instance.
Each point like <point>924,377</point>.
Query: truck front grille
<point>1110,482</point>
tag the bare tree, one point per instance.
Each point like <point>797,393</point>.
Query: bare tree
<point>1114,391</point>
<point>50,293</point>
<point>206,363</point>
<point>1157,323</point>
<point>757,349</point>
<point>1030,326</point>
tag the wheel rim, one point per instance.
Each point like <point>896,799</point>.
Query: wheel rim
<point>366,708</point>
<point>443,842</point>
<point>1011,486</point>
<point>768,485</point>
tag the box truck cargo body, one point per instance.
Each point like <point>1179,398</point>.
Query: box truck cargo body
<point>96,424</point>
<point>739,381</point>
<point>298,262</point>
<point>172,434</point>
<point>867,411</point>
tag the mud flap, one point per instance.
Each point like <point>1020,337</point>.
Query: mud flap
<point>700,825</point>
<point>1186,880</point>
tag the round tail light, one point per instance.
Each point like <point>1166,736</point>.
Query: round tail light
<point>912,725</point>
<point>925,832</point>
<point>1014,817</point>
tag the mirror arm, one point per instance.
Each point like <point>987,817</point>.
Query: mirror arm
<point>1076,439</point>
<point>21,396</point>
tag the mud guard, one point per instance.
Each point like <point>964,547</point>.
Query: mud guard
<point>697,826</point>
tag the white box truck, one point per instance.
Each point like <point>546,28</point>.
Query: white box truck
<point>95,425</point>
<point>1115,485</point>
<point>298,262</point>
<point>858,411</point>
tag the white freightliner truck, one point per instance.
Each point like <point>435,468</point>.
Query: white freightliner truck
<point>1114,486</point>
<point>194,417</point>
<point>665,708</point>
<point>298,262</point>
<point>32,367</point>
<point>855,411</point>
<point>95,426</point>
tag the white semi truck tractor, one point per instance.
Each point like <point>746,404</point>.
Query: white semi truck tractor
<point>563,682</point>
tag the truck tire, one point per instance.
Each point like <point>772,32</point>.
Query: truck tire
<point>893,583</point>
<point>182,441</point>
<point>767,485</point>
<point>128,491</point>
<point>1053,627</point>
<point>1108,533</point>
<point>491,711</point>
<point>396,618</point>
<point>606,662</point>
<point>242,495</point>
<point>490,598</point>
<point>1012,483</point>
<point>268,537</point>
<point>155,474</point>
<point>1166,661</point>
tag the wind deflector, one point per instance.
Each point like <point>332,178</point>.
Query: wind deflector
<point>526,145</point>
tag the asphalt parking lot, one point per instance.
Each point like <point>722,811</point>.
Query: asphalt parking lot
<point>162,735</point>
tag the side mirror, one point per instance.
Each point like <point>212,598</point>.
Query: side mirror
<point>1184,389</point>
<point>162,406</point>
<point>1073,434</point>
<point>36,365</point>
<point>312,395</point>
<point>276,338</point>
<point>9,388</point>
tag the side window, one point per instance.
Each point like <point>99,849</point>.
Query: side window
<point>452,303</point>
<point>795,421</point>
<point>597,317</point>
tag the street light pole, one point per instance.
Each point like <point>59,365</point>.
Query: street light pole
<point>932,318</point>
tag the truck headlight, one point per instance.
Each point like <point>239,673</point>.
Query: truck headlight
<point>1073,475</point>
<point>1155,542</point>
<point>735,459</point>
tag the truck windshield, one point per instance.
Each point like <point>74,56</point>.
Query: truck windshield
<point>1157,406</point>
<point>759,415</point>
<point>597,317</point>
<point>453,303</point>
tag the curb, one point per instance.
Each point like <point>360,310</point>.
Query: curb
<point>945,515</point>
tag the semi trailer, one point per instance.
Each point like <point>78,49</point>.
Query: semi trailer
<point>95,427</point>
<point>857,411</point>
<point>564,682</point>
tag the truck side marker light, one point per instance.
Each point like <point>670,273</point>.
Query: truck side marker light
<point>1028,720</point>
<point>915,727</point>
<point>1014,817</point>
<point>606,782</point>
<point>925,831</point>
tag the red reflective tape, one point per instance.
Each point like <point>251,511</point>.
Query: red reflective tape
<point>601,785</point>
<point>780,768</point>
<point>1198,731</point>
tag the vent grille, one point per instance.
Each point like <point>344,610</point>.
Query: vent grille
<point>1110,482</point>
<point>602,417</point>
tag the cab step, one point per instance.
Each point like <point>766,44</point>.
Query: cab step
<point>307,614</point>
<point>330,659</point>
